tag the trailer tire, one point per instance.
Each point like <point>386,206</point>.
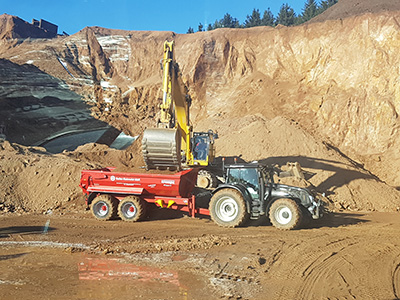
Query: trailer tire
<point>132,209</point>
<point>285,214</point>
<point>104,207</point>
<point>228,208</point>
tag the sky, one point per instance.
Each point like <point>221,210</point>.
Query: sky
<point>177,16</point>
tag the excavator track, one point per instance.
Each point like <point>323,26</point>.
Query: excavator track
<point>161,148</point>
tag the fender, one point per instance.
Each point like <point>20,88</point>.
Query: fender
<point>90,197</point>
<point>279,191</point>
<point>241,189</point>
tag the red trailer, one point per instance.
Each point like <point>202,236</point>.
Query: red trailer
<point>125,194</point>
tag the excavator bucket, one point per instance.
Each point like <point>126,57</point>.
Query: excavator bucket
<point>161,148</point>
<point>292,169</point>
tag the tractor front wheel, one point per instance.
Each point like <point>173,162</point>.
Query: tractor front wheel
<point>285,214</point>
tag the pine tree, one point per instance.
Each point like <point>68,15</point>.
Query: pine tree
<point>253,20</point>
<point>268,18</point>
<point>325,4</point>
<point>286,16</point>
<point>217,24</point>
<point>229,22</point>
<point>310,10</point>
<point>190,30</point>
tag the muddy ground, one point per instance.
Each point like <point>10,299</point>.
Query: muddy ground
<point>324,94</point>
<point>172,256</point>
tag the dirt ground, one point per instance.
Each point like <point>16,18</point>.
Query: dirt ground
<point>324,94</point>
<point>343,256</point>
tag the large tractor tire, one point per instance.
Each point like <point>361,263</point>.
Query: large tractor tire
<point>285,214</point>
<point>104,207</point>
<point>132,209</point>
<point>206,180</point>
<point>228,208</point>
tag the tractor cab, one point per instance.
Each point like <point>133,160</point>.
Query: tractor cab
<point>248,175</point>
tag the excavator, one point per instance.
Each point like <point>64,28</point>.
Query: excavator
<point>173,144</point>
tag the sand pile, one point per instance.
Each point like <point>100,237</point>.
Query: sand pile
<point>278,141</point>
<point>33,180</point>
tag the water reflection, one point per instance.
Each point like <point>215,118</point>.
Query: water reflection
<point>108,277</point>
<point>49,270</point>
<point>112,269</point>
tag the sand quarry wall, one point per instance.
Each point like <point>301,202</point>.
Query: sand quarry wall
<point>325,94</point>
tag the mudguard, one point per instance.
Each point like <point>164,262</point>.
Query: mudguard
<point>241,189</point>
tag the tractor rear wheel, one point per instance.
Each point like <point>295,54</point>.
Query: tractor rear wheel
<point>285,214</point>
<point>132,209</point>
<point>104,207</point>
<point>228,208</point>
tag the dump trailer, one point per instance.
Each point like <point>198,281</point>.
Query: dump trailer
<point>110,194</point>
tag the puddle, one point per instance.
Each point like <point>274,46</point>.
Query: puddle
<point>29,272</point>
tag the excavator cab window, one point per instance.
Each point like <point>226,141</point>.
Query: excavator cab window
<point>201,147</point>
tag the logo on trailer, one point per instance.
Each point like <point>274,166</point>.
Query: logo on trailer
<point>168,181</point>
<point>112,178</point>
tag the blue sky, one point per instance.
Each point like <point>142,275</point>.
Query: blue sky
<point>74,15</point>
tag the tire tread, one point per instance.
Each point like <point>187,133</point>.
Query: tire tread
<point>140,206</point>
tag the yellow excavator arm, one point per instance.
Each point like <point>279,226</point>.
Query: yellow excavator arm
<point>173,144</point>
<point>166,113</point>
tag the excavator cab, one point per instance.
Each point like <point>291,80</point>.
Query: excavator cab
<point>203,147</point>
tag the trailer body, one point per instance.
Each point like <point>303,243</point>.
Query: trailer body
<point>165,190</point>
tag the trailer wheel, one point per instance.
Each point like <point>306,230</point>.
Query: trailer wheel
<point>132,209</point>
<point>228,208</point>
<point>285,214</point>
<point>104,207</point>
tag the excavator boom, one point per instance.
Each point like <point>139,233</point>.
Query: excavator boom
<point>173,144</point>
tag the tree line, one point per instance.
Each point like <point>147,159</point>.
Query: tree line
<point>286,16</point>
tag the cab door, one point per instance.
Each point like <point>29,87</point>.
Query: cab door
<point>248,177</point>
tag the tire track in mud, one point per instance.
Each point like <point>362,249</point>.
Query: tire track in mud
<point>229,277</point>
<point>322,268</point>
<point>321,262</point>
<point>396,279</point>
<point>342,267</point>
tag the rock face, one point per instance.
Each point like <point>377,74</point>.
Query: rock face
<point>12,27</point>
<point>324,93</point>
